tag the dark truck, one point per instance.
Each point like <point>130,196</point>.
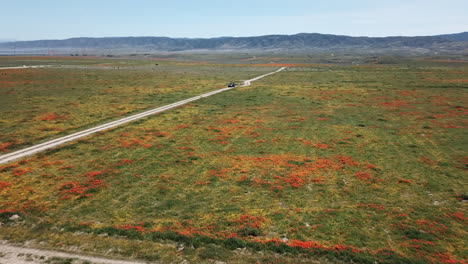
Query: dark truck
<point>232,84</point>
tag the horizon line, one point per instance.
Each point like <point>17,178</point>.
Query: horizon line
<point>253,36</point>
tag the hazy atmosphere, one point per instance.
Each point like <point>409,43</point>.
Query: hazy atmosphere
<point>56,19</point>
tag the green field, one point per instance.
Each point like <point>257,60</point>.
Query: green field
<point>39,104</point>
<point>328,163</point>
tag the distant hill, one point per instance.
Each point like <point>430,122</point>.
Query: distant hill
<point>457,37</point>
<point>457,43</point>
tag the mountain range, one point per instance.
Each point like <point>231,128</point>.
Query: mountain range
<point>308,42</point>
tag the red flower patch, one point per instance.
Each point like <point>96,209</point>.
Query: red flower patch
<point>305,244</point>
<point>93,184</point>
<point>182,126</point>
<point>365,176</point>
<point>80,190</point>
<point>232,121</point>
<point>296,180</point>
<point>322,146</point>
<point>418,244</point>
<point>125,161</point>
<point>249,221</point>
<point>377,207</point>
<point>460,216</point>
<point>317,180</point>
<point>430,226</point>
<point>4,185</point>
<point>395,104</point>
<point>305,142</point>
<point>219,173</point>
<point>51,163</point>
<point>346,160</point>
<point>53,117</point>
<point>4,146</point>
<point>202,182</point>
<point>404,181</point>
<point>19,172</point>
<point>138,228</point>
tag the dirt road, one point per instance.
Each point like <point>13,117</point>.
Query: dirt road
<point>23,67</point>
<point>10,254</point>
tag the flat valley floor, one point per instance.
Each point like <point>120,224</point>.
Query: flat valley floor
<point>320,163</point>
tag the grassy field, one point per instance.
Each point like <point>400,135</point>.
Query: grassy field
<point>325,163</point>
<point>39,104</point>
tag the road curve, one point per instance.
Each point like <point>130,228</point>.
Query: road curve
<point>59,141</point>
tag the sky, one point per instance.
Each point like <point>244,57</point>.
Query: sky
<point>61,19</point>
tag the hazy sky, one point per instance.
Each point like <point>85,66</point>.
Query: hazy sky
<point>58,19</point>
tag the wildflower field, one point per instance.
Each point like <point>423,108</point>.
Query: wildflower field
<point>42,103</point>
<point>318,163</point>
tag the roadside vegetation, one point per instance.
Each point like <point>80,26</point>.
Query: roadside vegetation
<point>326,163</point>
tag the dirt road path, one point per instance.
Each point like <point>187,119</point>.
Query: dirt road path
<point>10,254</point>
<point>23,67</point>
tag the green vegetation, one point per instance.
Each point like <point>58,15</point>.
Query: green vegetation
<point>320,162</point>
<point>39,104</point>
